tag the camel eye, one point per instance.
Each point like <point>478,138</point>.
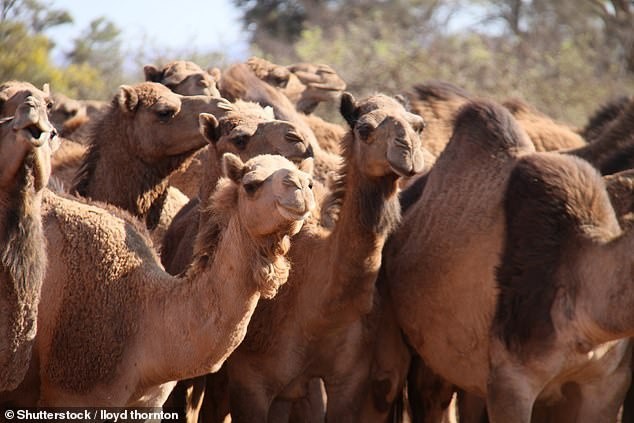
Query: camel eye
<point>240,141</point>
<point>165,114</point>
<point>364,130</point>
<point>252,187</point>
<point>49,106</point>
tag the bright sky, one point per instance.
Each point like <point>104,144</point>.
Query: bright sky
<point>175,25</point>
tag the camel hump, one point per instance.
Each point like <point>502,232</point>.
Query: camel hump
<point>551,200</point>
<point>490,127</point>
<point>440,90</point>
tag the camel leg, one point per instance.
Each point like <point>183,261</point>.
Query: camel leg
<point>429,395</point>
<point>510,395</point>
<point>600,401</point>
<point>345,399</point>
<point>471,408</point>
<point>249,404</point>
<point>215,403</point>
<point>312,408</point>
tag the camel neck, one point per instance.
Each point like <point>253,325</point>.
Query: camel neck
<point>126,182</point>
<point>22,266</point>
<point>204,316</point>
<point>369,212</point>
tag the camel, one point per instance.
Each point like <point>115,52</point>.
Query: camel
<point>240,82</point>
<point>116,330</point>
<point>437,102</point>
<point>611,151</point>
<point>27,141</point>
<point>545,133</point>
<point>146,135</point>
<point>496,289</point>
<point>245,134</point>
<point>305,84</point>
<point>279,355</point>
<point>184,78</point>
<point>602,117</point>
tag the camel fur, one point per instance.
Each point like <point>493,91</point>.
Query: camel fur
<point>27,141</point>
<point>147,133</point>
<point>510,240</point>
<point>117,330</point>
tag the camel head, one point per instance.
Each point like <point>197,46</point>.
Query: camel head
<point>305,84</point>
<point>160,124</point>
<point>184,78</point>
<point>387,138</point>
<point>274,195</point>
<point>27,137</point>
<point>320,82</point>
<point>248,134</point>
<point>64,109</point>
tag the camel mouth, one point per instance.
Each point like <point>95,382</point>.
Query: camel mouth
<point>36,136</point>
<point>402,171</point>
<point>290,214</point>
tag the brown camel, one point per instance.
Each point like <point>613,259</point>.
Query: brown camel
<point>612,150</point>
<point>305,84</point>
<point>116,330</point>
<point>184,78</point>
<point>239,82</point>
<point>545,133</point>
<point>27,141</point>
<point>281,355</point>
<point>146,135</point>
<point>239,132</point>
<point>496,288</point>
<point>602,117</point>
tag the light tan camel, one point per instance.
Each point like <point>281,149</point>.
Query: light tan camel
<point>146,135</point>
<point>496,288</point>
<point>281,355</point>
<point>184,78</point>
<point>27,141</point>
<point>117,330</point>
<point>239,132</point>
<point>246,135</point>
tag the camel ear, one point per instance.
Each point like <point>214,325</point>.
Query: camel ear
<point>47,89</point>
<point>404,101</point>
<point>209,127</point>
<point>307,165</point>
<point>215,73</point>
<point>232,167</point>
<point>152,73</point>
<point>127,99</point>
<point>349,109</point>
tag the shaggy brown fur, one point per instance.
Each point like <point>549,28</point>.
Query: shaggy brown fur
<point>603,117</point>
<point>613,150</point>
<point>26,145</point>
<point>146,135</point>
<point>546,134</point>
<point>66,162</point>
<point>513,238</point>
<point>107,297</point>
<point>546,206</point>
